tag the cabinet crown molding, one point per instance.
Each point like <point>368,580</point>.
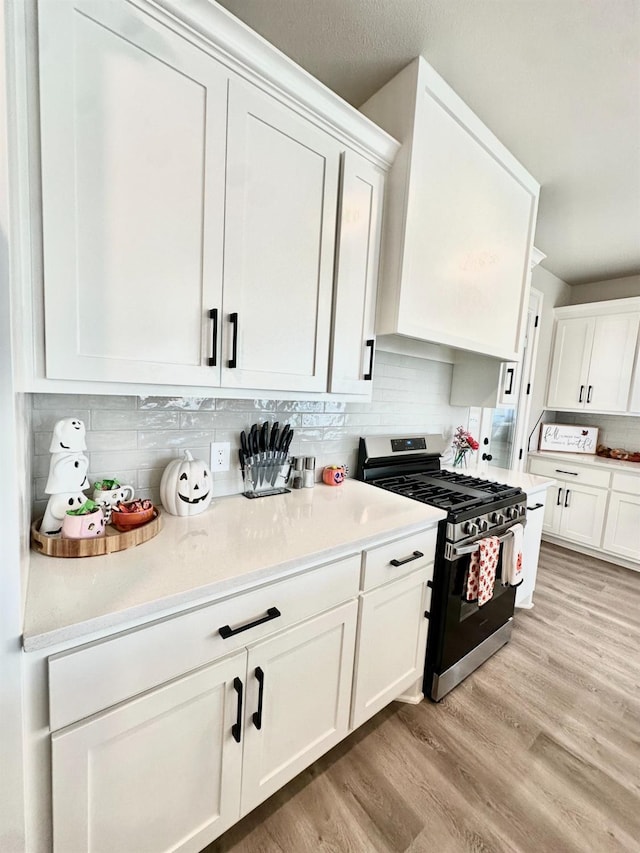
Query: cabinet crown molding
<point>630,304</point>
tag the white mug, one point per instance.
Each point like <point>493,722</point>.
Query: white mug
<point>107,499</point>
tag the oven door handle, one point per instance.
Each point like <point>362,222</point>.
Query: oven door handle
<point>453,553</point>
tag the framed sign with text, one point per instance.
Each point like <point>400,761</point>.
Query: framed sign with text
<point>568,438</point>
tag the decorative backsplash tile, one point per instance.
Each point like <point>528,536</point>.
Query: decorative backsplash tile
<point>133,438</point>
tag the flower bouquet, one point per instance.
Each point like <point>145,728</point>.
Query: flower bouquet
<point>463,442</point>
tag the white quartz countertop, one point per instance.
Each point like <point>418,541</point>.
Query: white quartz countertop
<point>234,545</point>
<point>589,459</point>
<point>529,483</point>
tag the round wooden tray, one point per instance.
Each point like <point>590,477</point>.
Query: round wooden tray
<point>113,540</point>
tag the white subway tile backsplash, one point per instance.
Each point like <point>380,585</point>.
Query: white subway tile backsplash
<point>134,438</point>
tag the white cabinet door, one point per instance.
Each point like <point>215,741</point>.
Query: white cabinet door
<point>536,510</point>
<point>570,363</point>
<point>622,527</point>
<point>582,515</point>
<point>158,773</point>
<point>298,698</point>
<point>281,206</point>
<point>553,508</point>
<point>611,365</point>
<point>358,249</point>
<point>392,642</point>
<point>133,123</point>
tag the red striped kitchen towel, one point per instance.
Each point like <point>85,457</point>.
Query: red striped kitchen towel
<point>481,576</point>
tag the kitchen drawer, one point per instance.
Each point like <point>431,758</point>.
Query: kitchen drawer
<point>560,470</point>
<point>629,483</point>
<point>95,676</point>
<point>379,565</point>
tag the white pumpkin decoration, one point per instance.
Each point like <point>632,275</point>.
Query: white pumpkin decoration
<point>185,488</point>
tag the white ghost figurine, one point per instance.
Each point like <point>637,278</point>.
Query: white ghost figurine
<point>67,473</point>
<point>68,435</point>
<point>56,509</point>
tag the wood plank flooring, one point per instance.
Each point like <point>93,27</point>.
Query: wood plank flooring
<point>538,750</point>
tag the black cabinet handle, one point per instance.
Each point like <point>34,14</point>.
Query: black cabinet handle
<point>415,556</point>
<point>559,501</point>
<point>426,614</point>
<point>227,631</point>
<point>257,715</point>
<point>213,316</point>
<point>532,508</point>
<point>589,392</point>
<point>581,393</point>
<point>236,728</point>
<point>561,471</point>
<point>430,584</point>
<point>512,371</point>
<point>566,497</point>
<point>370,343</point>
<point>233,319</point>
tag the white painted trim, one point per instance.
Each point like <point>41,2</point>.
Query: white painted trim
<point>523,409</point>
<point>598,309</point>
<point>537,257</point>
<point>591,552</point>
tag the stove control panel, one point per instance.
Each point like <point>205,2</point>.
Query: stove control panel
<point>485,523</point>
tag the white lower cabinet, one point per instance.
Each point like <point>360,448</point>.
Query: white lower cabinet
<point>205,740</point>
<point>622,530</point>
<point>576,512</point>
<point>536,509</point>
<point>160,772</point>
<point>298,698</point>
<point>392,641</point>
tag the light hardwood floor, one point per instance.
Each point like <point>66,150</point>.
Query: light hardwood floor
<point>538,750</point>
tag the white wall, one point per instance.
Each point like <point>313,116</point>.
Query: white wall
<point>598,291</point>
<point>13,485</point>
<point>133,438</point>
<point>556,293</point>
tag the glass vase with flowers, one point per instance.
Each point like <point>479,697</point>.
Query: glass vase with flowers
<point>463,443</point>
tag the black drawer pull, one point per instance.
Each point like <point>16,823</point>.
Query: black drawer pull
<point>559,501</point>
<point>227,631</point>
<point>370,343</point>
<point>560,471</point>
<point>537,506</point>
<point>589,392</point>
<point>233,361</point>
<point>415,556</point>
<point>236,728</point>
<point>257,715</point>
<point>213,316</point>
<point>581,393</point>
<point>430,584</point>
<point>427,615</point>
<point>566,497</point>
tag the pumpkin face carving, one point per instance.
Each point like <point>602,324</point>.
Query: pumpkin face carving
<point>185,488</point>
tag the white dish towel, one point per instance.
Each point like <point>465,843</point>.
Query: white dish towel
<point>512,556</point>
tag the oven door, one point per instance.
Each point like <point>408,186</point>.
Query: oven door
<point>460,626</point>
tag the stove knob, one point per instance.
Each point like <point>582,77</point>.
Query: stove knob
<point>511,512</point>
<point>470,528</point>
<point>483,525</point>
<point>497,518</point>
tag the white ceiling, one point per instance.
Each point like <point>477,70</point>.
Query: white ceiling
<point>557,81</point>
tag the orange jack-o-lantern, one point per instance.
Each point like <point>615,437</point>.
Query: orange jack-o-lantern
<point>185,488</point>
<point>333,475</point>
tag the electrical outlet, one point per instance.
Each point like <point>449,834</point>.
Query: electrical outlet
<point>220,451</point>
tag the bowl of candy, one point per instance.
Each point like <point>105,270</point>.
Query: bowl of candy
<point>126,516</point>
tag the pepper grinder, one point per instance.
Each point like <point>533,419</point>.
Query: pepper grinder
<point>298,465</point>
<point>309,479</point>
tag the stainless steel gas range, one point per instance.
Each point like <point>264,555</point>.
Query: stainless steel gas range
<point>462,634</point>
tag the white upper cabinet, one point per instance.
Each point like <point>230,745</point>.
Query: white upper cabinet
<point>282,197</point>
<point>593,356</point>
<point>190,187</point>
<point>358,250</point>
<point>461,217</point>
<point>133,195</point>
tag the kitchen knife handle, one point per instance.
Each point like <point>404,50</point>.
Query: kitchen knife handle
<point>236,728</point>
<point>257,715</point>
<point>370,343</point>
<point>227,631</point>
<point>213,316</point>
<point>581,393</point>
<point>589,393</point>
<point>233,361</point>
